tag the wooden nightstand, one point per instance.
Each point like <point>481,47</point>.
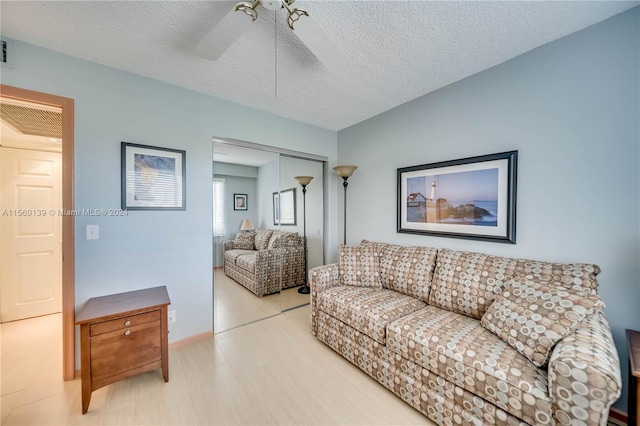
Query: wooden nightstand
<point>123,335</point>
<point>633,343</point>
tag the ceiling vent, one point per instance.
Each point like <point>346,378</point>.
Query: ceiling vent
<point>32,121</point>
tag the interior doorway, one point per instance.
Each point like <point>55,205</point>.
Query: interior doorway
<point>65,106</point>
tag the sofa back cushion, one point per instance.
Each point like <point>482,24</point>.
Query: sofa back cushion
<point>578,276</point>
<point>262,238</point>
<point>358,266</point>
<point>244,240</point>
<point>285,239</point>
<point>467,283</point>
<point>275,240</point>
<point>407,270</point>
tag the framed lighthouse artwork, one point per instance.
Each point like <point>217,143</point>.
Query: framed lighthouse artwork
<point>473,198</point>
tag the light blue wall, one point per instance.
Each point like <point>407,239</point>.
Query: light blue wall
<point>150,248</point>
<point>268,183</point>
<point>233,218</point>
<point>571,108</point>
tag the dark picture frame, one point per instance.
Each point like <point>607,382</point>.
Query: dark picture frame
<point>472,198</point>
<point>284,207</point>
<point>240,202</point>
<point>152,178</point>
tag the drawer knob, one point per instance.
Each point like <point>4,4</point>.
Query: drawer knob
<point>127,323</point>
<point>128,332</point>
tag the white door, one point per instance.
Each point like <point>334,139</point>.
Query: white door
<point>30,233</point>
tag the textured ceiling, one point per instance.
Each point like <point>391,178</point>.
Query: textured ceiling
<point>398,50</point>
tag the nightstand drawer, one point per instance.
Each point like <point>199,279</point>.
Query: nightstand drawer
<point>124,322</point>
<point>123,350</point>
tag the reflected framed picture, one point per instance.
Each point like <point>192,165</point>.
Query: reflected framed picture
<point>240,202</point>
<point>152,178</point>
<point>284,207</point>
<point>473,198</point>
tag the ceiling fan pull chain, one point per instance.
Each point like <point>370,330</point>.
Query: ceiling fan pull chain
<point>275,48</point>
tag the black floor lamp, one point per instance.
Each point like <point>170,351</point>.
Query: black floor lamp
<point>345,172</point>
<point>304,181</point>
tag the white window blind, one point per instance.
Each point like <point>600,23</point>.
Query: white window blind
<point>218,208</point>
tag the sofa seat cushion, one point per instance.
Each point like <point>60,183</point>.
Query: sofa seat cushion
<point>461,350</point>
<point>247,262</point>
<point>231,256</point>
<point>368,310</point>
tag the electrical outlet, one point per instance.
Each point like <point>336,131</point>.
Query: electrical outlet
<point>172,317</point>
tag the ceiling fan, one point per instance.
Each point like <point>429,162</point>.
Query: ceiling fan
<point>298,20</point>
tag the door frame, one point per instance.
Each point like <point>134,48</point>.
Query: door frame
<point>68,221</point>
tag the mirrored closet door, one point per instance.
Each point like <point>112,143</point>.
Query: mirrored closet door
<point>308,223</point>
<point>260,218</point>
<point>241,178</point>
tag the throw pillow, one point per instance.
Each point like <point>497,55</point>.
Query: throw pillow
<point>262,238</point>
<point>275,241</point>
<point>244,240</point>
<point>358,266</point>
<point>532,316</point>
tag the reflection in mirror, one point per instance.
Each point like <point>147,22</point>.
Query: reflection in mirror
<point>260,219</point>
<point>246,289</point>
<point>307,221</point>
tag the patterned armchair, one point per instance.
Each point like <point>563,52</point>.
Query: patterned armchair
<point>265,261</point>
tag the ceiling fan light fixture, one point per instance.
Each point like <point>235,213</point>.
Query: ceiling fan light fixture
<point>300,22</point>
<point>227,31</point>
<point>248,8</point>
<point>272,5</point>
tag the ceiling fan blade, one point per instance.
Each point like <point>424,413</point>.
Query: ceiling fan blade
<point>317,40</point>
<point>226,32</point>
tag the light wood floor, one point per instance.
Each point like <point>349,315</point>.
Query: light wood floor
<point>265,373</point>
<point>236,306</point>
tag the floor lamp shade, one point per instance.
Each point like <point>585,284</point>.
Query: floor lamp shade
<point>304,180</point>
<point>345,172</point>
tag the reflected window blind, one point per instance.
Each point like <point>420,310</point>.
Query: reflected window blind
<point>218,207</point>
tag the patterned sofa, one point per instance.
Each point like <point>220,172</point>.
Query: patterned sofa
<point>265,261</point>
<point>469,338</point>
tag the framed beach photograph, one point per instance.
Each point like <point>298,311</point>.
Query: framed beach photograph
<point>240,202</point>
<point>472,198</point>
<point>152,178</point>
<point>284,207</point>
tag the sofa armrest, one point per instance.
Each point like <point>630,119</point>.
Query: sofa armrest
<point>322,277</point>
<point>584,374</point>
<point>292,266</point>
<point>228,245</point>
